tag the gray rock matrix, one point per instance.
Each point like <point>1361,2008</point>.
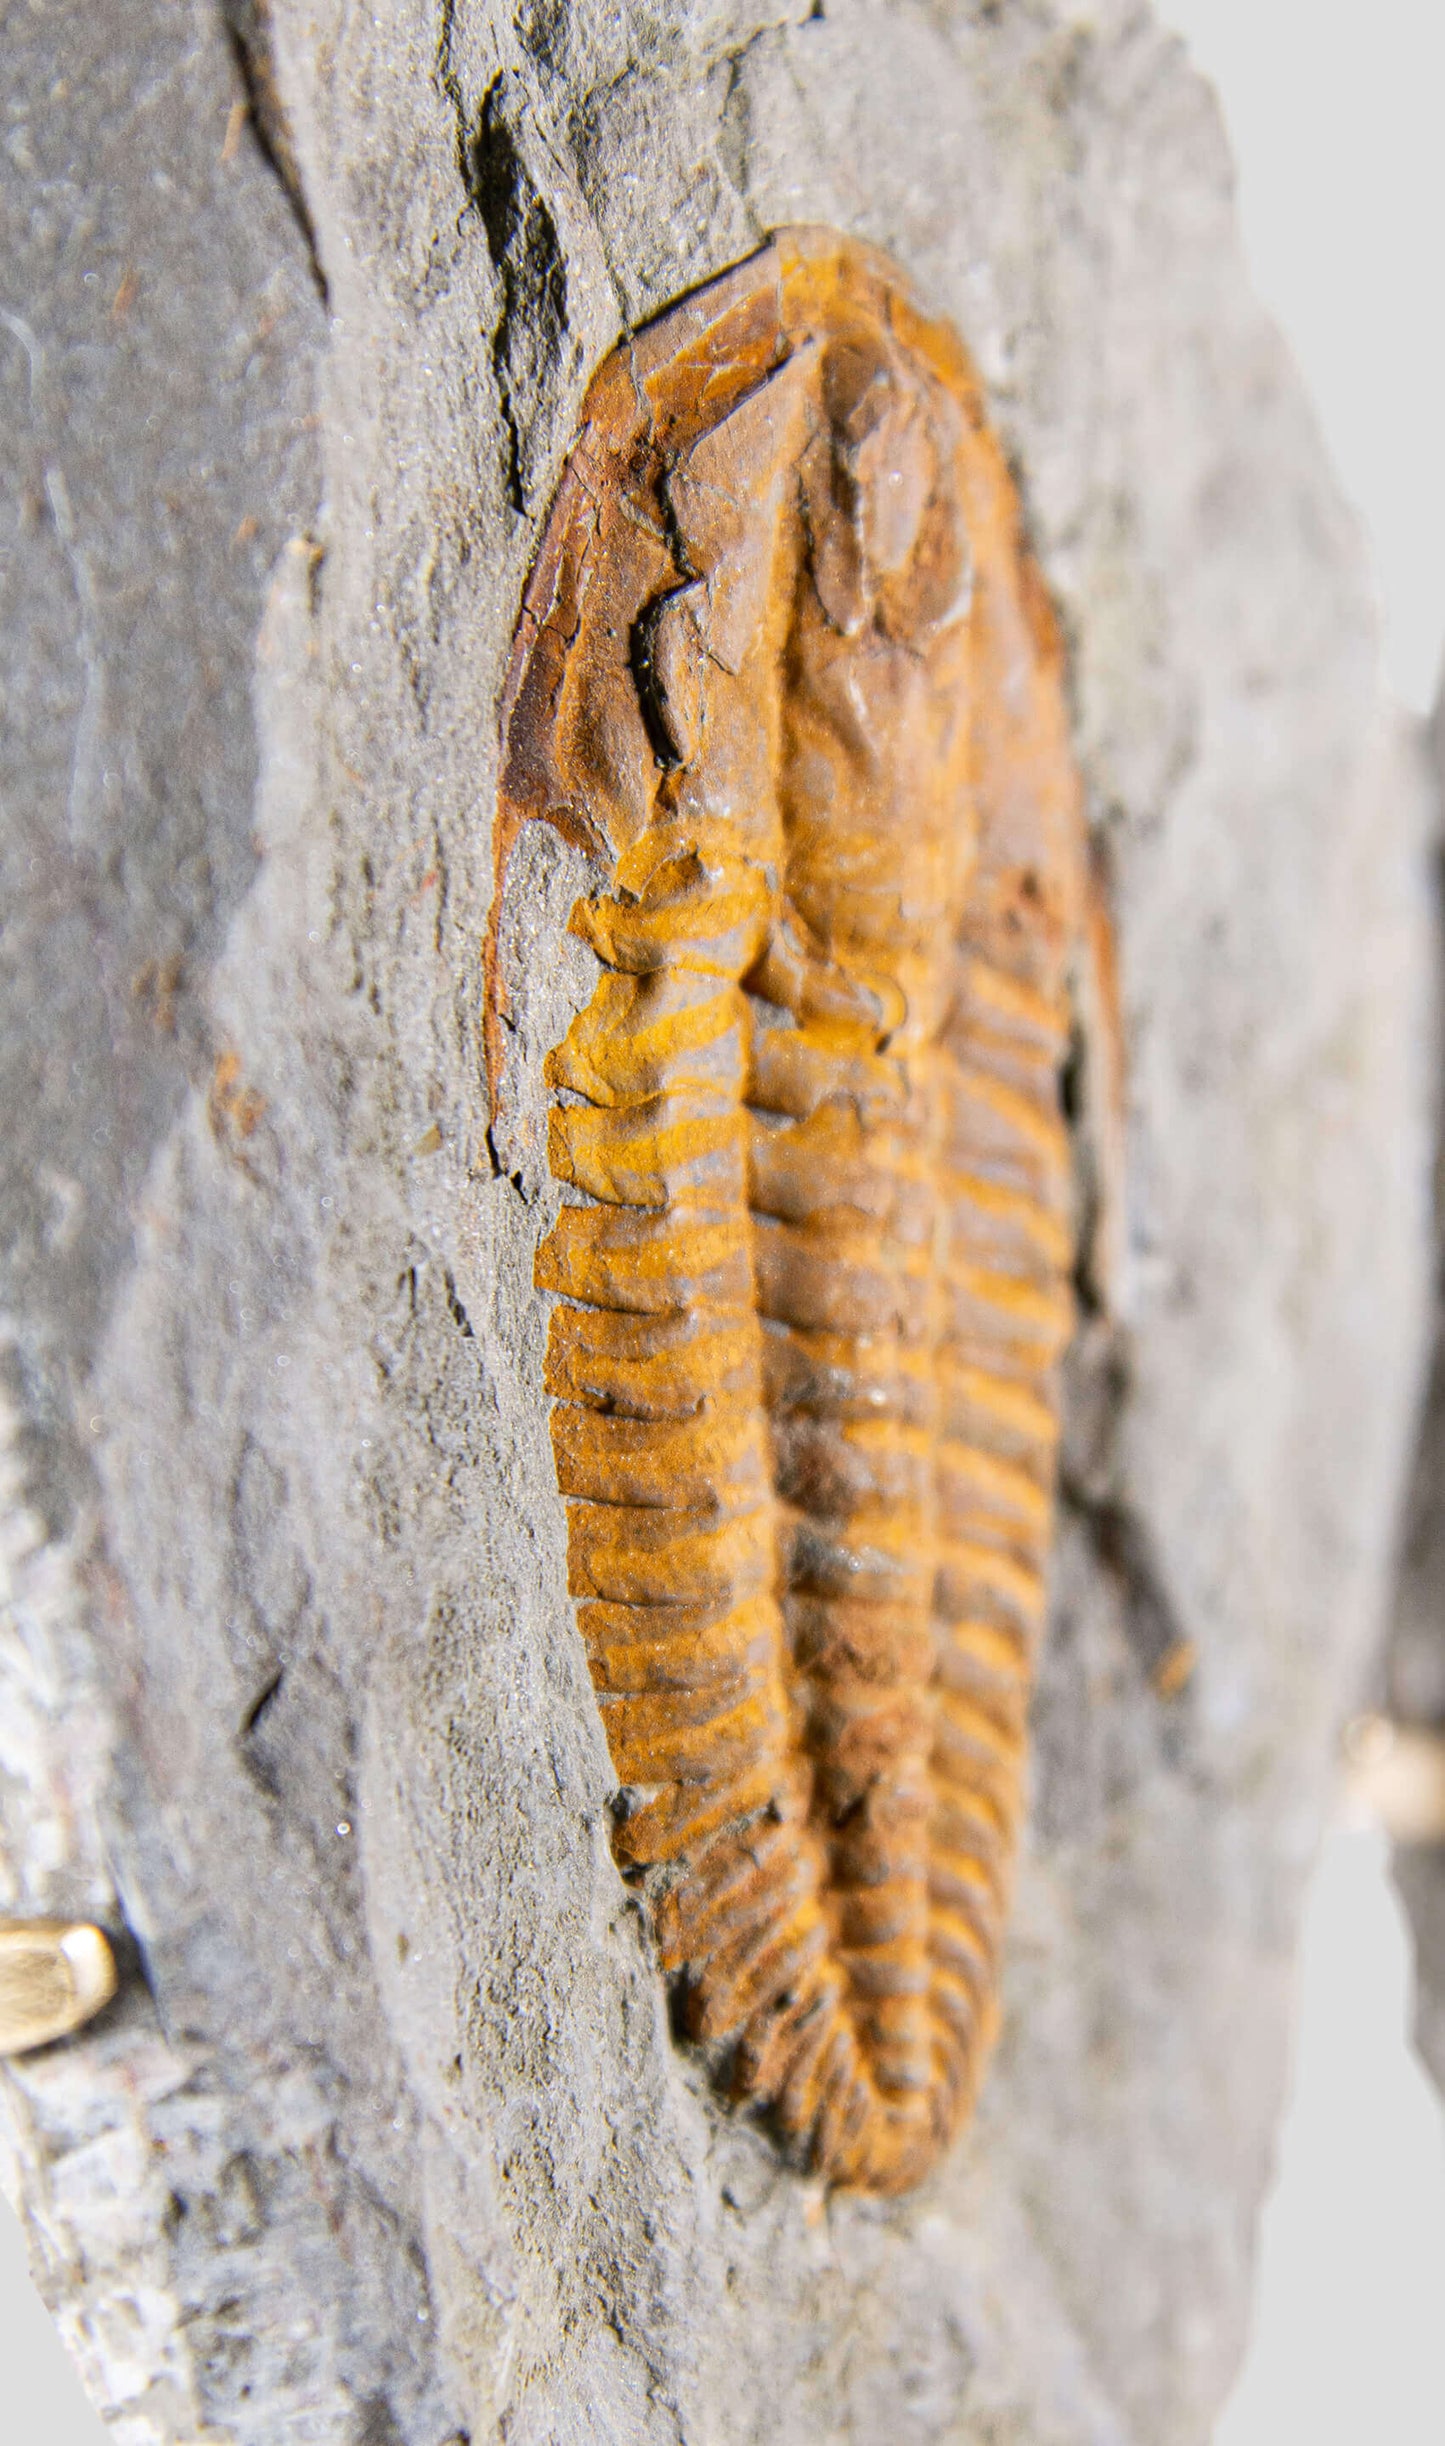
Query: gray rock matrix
<point>386,2142</point>
<point>1410,1683</point>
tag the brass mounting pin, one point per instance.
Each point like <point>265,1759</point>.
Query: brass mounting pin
<point>55,1974</point>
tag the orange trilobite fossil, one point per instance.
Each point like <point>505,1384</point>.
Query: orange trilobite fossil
<point>785,666</point>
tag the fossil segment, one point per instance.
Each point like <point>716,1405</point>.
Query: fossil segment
<point>785,666</point>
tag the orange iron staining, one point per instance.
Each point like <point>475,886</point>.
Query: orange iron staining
<point>785,666</point>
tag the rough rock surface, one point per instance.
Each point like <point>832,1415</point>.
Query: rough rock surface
<point>1411,1683</point>
<point>390,2142</point>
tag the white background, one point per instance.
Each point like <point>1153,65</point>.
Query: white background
<point>1335,111</point>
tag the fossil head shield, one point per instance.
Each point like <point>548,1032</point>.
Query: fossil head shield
<point>786,668</point>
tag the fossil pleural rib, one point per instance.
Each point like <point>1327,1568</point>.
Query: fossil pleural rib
<point>786,667</point>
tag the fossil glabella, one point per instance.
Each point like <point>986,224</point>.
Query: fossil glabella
<point>787,670</point>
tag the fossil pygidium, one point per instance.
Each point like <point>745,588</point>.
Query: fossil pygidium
<point>785,666</point>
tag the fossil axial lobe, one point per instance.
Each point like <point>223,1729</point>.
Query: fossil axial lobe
<point>785,666</point>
